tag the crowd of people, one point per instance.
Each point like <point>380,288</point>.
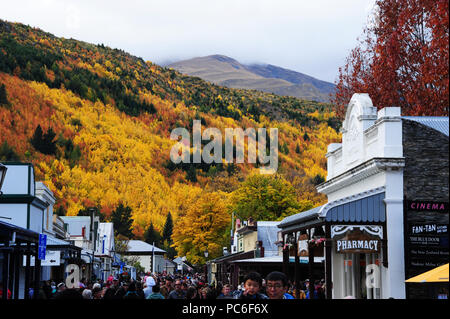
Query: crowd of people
<point>166,286</point>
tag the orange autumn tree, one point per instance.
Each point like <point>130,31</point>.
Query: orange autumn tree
<point>403,59</point>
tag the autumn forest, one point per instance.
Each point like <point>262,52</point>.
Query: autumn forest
<point>96,124</point>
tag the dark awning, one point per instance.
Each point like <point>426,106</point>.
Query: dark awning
<point>367,207</point>
<point>366,210</point>
<point>22,234</point>
<point>235,256</point>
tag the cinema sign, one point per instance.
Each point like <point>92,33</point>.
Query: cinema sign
<point>362,239</point>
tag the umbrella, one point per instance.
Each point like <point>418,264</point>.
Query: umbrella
<point>438,274</point>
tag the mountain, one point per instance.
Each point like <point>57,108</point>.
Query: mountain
<point>222,70</point>
<point>96,123</point>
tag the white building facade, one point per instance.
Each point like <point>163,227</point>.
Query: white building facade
<point>385,162</point>
<point>369,161</point>
<point>29,205</point>
<point>151,258</point>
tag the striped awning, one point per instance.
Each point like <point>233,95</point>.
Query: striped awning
<point>367,207</point>
<point>366,210</point>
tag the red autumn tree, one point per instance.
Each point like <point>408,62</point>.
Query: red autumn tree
<point>402,60</point>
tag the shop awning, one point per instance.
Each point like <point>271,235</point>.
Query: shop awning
<point>438,274</point>
<point>366,207</point>
<point>278,259</point>
<point>22,234</point>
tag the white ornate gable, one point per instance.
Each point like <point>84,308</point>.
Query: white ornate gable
<point>371,143</point>
<point>361,114</point>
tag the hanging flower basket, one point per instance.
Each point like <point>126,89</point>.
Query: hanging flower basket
<point>317,241</point>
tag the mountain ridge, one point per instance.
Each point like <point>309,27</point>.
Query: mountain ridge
<point>226,71</point>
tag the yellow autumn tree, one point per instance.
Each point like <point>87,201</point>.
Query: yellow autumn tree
<point>203,227</point>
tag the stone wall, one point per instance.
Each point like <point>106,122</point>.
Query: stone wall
<point>426,170</point>
<point>425,177</point>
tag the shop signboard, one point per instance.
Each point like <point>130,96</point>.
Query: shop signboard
<point>52,258</point>
<point>303,245</point>
<point>426,234</point>
<point>417,205</point>
<point>426,239</point>
<point>42,246</point>
<point>357,238</point>
<point>427,244</point>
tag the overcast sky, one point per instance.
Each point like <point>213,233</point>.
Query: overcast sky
<point>309,36</point>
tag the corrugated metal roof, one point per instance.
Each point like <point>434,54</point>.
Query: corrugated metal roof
<point>267,233</point>
<point>52,241</point>
<point>439,123</point>
<point>141,246</point>
<point>300,216</point>
<point>77,218</point>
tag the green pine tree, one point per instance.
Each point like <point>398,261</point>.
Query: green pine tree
<point>191,174</point>
<point>167,237</point>
<point>48,142</point>
<point>284,148</point>
<point>44,143</point>
<point>168,228</point>
<point>3,95</point>
<point>306,137</point>
<point>36,139</point>
<point>151,236</point>
<point>121,218</point>
<point>74,156</point>
<point>318,179</point>
<point>7,153</point>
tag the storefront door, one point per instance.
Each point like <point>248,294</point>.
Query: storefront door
<point>362,276</point>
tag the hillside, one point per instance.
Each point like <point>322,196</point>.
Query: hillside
<point>228,72</point>
<point>96,124</point>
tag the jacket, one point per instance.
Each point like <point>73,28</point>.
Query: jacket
<point>240,295</point>
<point>155,296</point>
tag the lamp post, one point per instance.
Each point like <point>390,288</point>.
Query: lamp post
<point>3,170</point>
<point>206,266</point>
<point>93,236</point>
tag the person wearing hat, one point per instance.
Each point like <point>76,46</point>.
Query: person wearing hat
<point>59,290</point>
<point>115,283</point>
